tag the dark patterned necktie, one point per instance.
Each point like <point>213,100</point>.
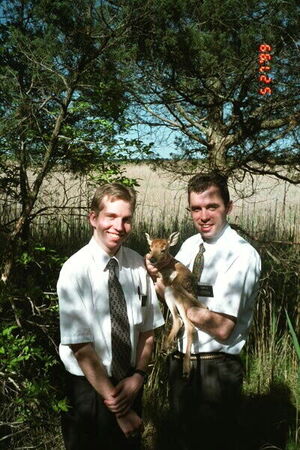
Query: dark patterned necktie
<point>120,332</point>
<point>199,262</point>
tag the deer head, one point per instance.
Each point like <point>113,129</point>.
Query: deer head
<point>159,248</point>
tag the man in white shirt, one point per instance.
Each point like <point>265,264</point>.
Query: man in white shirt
<point>105,409</point>
<point>205,405</point>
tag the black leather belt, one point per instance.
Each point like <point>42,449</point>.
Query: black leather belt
<point>196,356</point>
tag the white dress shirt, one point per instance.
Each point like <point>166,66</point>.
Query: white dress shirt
<point>84,304</point>
<point>231,271</point>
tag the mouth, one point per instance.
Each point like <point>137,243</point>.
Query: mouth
<point>206,227</point>
<point>115,235</point>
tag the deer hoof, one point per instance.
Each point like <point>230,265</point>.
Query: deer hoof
<point>186,368</point>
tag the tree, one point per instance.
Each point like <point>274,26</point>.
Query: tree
<point>63,98</point>
<point>201,66</point>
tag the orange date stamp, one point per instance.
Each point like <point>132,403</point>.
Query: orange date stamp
<point>264,58</point>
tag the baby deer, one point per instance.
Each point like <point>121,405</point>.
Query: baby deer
<point>180,290</point>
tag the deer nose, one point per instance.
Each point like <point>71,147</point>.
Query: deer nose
<point>153,260</point>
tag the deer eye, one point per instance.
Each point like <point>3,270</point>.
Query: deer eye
<point>163,250</point>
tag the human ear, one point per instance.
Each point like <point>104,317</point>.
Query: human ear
<point>92,218</point>
<point>229,207</point>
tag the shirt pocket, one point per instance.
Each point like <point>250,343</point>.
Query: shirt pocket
<point>132,290</point>
<point>137,310</point>
<point>140,302</point>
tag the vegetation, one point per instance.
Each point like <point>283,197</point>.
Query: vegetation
<point>75,77</point>
<point>32,391</point>
<point>63,99</point>
<point>199,66</point>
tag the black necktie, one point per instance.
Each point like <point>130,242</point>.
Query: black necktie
<point>199,262</point>
<point>120,331</point>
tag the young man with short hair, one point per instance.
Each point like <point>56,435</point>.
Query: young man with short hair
<point>227,268</point>
<point>108,311</point>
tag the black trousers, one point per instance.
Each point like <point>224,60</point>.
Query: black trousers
<point>205,405</point>
<point>89,425</point>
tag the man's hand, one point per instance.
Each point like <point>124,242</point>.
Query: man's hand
<point>151,269</point>
<point>125,394</point>
<point>131,424</point>
<point>154,274</point>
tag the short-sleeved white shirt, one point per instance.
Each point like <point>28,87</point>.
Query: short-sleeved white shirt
<point>84,304</point>
<point>232,267</point>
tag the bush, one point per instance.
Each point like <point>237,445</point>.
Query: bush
<point>31,389</point>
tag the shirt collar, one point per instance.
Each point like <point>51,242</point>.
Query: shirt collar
<point>214,240</point>
<point>100,257</point>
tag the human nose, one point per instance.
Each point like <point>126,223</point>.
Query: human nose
<point>204,215</point>
<point>118,224</point>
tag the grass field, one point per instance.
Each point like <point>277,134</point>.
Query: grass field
<point>262,204</point>
<point>259,202</point>
<point>268,210</point>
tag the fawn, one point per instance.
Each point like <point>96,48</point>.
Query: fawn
<point>180,291</point>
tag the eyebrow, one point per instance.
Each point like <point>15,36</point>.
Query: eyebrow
<point>209,205</point>
<point>112,214</point>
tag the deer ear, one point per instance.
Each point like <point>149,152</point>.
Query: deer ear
<point>173,238</point>
<point>149,240</point>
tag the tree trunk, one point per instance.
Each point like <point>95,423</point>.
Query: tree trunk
<point>13,243</point>
<point>30,195</point>
<point>217,153</point>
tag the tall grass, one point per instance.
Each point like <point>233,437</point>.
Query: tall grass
<point>269,418</point>
<point>265,207</point>
<point>271,403</point>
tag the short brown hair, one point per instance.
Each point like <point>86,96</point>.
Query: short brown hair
<point>114,191</point>
<point>201,182</point>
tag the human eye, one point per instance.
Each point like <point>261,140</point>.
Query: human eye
<point>109,217</point>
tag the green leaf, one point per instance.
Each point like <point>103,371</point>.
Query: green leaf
<point>8,331</point>
<point>293,334</point>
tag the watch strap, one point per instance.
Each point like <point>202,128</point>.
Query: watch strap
<point>142,373</point>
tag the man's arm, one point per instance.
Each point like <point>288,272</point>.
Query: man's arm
<point>144,349</point>
<point>95,373</point>
<point>92,368</point>
<point>128,388</point>
<point>218,325</point>
<point>238,287</point>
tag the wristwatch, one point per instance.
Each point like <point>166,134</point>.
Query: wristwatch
<point>143,373</point>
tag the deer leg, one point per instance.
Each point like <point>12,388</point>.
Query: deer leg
<point>176,321</point>
<point>189,330</point>
<point>187,357</point>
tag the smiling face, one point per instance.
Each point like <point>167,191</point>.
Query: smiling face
<point>112,224</point>
<point>208,212</point>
